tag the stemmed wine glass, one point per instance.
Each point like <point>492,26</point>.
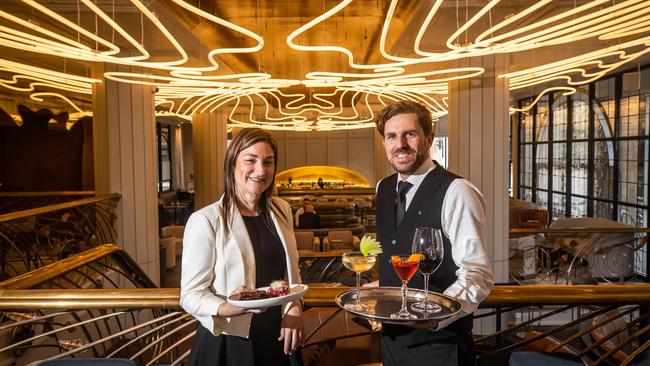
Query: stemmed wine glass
<point>428,242</point>
<point>404,266</point>
<point>358,263</point>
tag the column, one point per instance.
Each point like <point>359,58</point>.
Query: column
<point>124,132</point>
<point>478,151</point>
<point>178,171</point>
<point>210,142</point>
<point>478,147</point>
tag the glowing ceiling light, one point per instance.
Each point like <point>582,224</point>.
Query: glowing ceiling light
<point>39,97</point>
<point>186,90</point>
<point>566,91</point>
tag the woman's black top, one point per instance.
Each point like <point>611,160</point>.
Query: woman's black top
<point>270,258</point>
<point>262,347</point>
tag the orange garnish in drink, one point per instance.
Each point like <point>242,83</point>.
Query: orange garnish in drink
<point>415,257</point>
<point>395,258</point>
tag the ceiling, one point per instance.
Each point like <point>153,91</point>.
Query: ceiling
<point>308,65</point>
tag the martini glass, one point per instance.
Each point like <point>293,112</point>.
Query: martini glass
<point>358,263</point>
<point>404,266</point>
<point>428,242</point>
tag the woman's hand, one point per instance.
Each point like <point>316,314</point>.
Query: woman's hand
<point>228,310</point>
<point>291,328</point>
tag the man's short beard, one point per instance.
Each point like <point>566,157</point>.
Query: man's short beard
<point>420,157</point>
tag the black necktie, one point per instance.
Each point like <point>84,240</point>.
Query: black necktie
<point>402,188</point>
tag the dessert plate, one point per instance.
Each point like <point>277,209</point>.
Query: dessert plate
<point>295,292</point>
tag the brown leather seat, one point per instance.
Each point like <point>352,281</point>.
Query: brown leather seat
<point>306,241</point>
<point>612,333</point>
<point>528,218</point>
<point>342,239</point>
<point>176,232</point>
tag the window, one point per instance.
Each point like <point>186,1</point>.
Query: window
<point>164,156</point>
<point>439,150</point>
<point>587,154</point>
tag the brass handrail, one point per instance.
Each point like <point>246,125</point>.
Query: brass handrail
<point>509,295</point>
<point>47,194</point>
<point>55,207</point>
<point>79,299</point>
<point>144,298</point>
<point>568,295</point>
<point>580,230</point>
<point>61,267</point>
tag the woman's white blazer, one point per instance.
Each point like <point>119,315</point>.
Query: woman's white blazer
<point>216,263</point>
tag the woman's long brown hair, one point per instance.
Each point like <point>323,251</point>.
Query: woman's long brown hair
<point>245,139</point>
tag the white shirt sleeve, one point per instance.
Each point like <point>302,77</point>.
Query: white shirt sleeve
<point>463,222</point>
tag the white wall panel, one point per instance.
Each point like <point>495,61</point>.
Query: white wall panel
<point>296,154</point>
<point>337,152</point>
<point>210,140</point>
<point>316,151</point>
<point>361,157</point>
<point>282,153</point>
<point>353,149</point>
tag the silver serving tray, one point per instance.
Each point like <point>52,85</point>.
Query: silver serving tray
<point>383,301</point>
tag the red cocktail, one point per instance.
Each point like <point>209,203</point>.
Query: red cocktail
<point>405,270</point>
<point>405,266</point>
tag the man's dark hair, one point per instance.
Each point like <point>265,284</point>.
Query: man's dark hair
<point>405,107</point>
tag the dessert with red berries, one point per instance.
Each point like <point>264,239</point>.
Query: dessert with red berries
<point>278,288</point>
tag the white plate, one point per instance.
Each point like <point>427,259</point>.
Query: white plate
<point>296,292</point>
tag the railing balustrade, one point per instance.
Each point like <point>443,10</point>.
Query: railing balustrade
<point>36,237</point>
<point>603,324</point>
<point>20,201</point>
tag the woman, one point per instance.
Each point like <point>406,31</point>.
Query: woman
<point>244,240</point>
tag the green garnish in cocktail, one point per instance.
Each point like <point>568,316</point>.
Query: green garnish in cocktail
<point>370,246</point>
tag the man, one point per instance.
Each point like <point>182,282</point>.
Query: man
<point>423,194</point>
<point>309,219</point>
<point>306,201</point>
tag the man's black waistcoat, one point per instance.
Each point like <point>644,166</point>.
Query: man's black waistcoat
<point>424,210</point>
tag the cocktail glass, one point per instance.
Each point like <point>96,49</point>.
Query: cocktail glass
<point>404,266</point>
<point>428,242</point>
<point>358,263</point>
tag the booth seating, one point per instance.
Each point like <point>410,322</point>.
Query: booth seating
<point>369,222</point>
<point>342,239</point>
<point>174,207</point>
<point>169,247</point>
<point>532,218</point>
<point>176,232</point>
<point>306,241</point>
<point>333,214</point>
<point>612,333</point>
<point>357,230</point>
<point>514,207</point>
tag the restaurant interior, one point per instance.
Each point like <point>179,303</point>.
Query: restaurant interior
<point>115,116</point>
